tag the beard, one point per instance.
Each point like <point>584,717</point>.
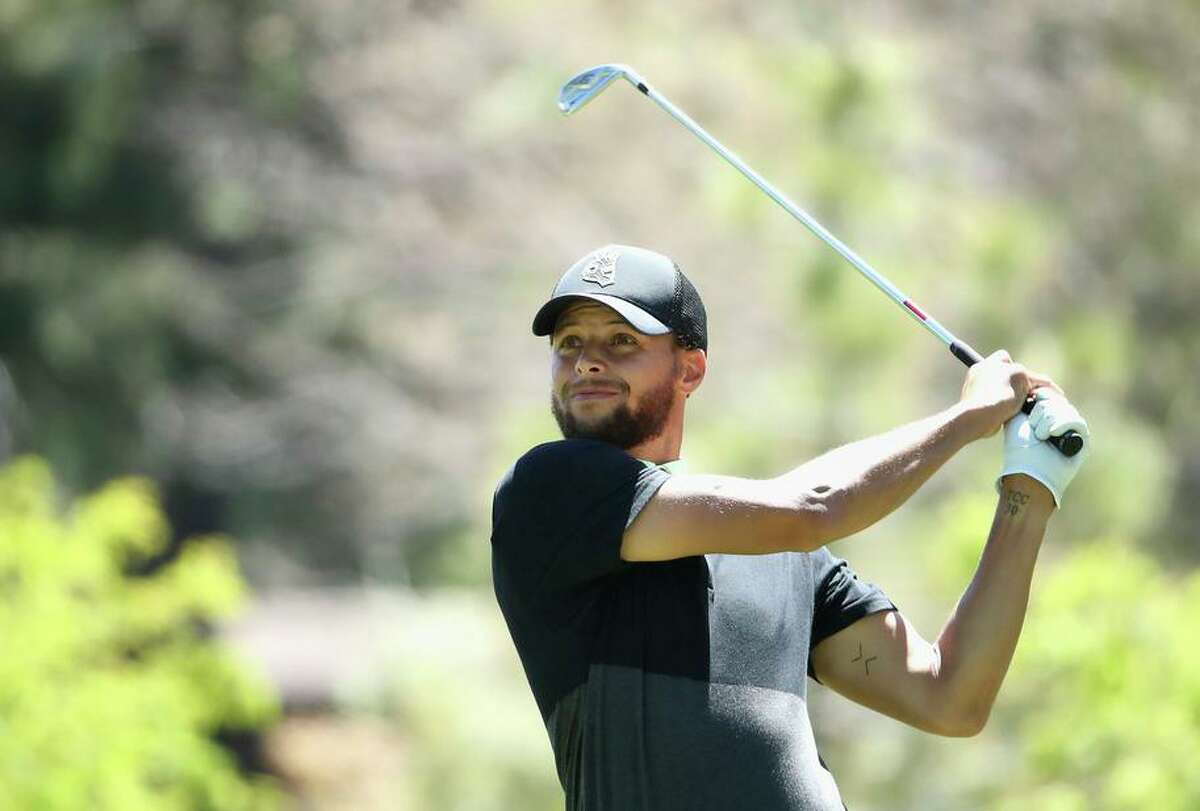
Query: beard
<point>623,427</point>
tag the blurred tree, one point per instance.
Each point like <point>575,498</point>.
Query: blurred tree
<point>1106,688</point>
<point>1091,114</point>
<point>148,256</point>
<point>110,253</point>
<point>110,694</point>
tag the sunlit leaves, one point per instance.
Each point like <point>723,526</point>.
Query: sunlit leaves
<point>109,689</point>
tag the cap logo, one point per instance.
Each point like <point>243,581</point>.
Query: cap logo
<point>602,270</point>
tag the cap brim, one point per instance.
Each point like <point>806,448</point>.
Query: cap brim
<point>639,319</point>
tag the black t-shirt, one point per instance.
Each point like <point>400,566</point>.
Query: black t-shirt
<point>669,685</point>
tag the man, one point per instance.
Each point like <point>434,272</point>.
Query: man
<point>666,621</point>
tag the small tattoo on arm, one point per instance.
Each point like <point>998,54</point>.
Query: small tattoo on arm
<point>866,662</point>
<point>1015,501</point>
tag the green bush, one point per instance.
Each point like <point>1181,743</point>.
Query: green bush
<point>109,690</point>
<point>1106,684</point>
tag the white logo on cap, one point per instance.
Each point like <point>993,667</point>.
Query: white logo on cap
<point>602,269</point>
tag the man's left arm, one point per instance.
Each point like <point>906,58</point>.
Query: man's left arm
<point>948,687</point>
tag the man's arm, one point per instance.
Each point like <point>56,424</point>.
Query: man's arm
<point>832,496</point>
<point>948,687</point>
<point>860,483</point>
<point>835,495</point>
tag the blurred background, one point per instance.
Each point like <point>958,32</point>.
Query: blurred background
<point>266,277</point>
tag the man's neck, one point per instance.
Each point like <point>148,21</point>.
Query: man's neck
<point>662,448</point>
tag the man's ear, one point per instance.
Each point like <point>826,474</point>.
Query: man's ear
<point>693,364</point>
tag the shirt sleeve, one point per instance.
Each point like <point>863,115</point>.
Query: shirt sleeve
<point>560,513</point>
<point>840,599</point>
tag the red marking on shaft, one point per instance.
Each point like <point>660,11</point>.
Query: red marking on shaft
<point>913,307</point>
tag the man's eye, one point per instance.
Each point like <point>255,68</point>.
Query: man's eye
<point>624,338</point>
<point>570,342</point>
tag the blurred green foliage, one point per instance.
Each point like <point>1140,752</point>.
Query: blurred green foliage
<point>110,690</point>
<point>134,195</point>
<point>1105,689</point>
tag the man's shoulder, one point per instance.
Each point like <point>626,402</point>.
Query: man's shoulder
<point>565,469</point>
<point>554,460</point>
<point>570,448</point>
<point>553,478</point>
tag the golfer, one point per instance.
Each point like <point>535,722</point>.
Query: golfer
<point>667,621</point>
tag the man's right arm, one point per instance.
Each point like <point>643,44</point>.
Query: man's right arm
<point>834,495</point>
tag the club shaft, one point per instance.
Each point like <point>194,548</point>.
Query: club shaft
<point>805,219</point>
<point>1069,444</point>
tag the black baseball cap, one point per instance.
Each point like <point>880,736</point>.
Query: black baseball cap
<point>646,288</point>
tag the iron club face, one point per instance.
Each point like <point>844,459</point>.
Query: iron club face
<point>585,86</point>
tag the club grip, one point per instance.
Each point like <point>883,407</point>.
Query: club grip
<point>1068,444</point>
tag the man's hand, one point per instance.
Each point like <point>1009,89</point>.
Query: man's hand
<point>1026,451</point>
<point>996,388</point>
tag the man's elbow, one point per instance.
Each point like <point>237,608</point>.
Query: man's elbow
<point>811,520</point>
<point>962,722</point>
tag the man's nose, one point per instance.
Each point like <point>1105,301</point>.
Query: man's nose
<point>589,361</point>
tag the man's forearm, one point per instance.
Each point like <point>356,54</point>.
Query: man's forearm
<point>858,484</point>
<point>978,640</point>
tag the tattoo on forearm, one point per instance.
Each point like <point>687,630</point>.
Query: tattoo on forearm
<point>866,662</point>
<point>1015,501</point>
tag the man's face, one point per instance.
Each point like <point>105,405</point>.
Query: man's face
<point>609,381</point>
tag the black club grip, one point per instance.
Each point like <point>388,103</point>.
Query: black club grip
<point>1068,444</point>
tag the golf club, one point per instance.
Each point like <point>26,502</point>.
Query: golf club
<point>590,83</point>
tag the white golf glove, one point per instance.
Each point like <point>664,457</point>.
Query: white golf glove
<point>1025,448</point>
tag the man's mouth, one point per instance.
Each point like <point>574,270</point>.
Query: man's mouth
<point>594,394</point>
<point>594,391</point>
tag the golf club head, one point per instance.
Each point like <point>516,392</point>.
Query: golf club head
<point>585,86</point>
